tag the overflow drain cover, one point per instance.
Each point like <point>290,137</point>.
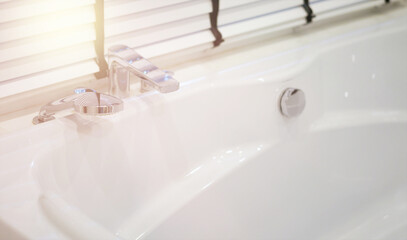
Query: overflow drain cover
<point>292,102</point>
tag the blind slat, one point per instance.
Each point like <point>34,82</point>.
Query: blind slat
<point>14,10</point>
<point>176,44</point>
<point>278,21</point>
<point>126,7</point>
<point>42,24</point>
<point>330,8</point>
<point>224,4</point>
<point>47,78</point>
<point>46,42</point>
<point>44,62</point>
<point>155,17</point>
<point>161,32</point>
<point>255,9</point>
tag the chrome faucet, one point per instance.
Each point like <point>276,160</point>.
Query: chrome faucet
<point>85,101</point>
<point>123,61</point>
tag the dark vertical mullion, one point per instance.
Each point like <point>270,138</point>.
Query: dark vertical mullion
<point>100,39</point>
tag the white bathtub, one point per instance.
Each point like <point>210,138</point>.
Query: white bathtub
<point>217,160</point>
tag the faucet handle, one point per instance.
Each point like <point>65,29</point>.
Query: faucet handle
<point>159,80</point>
<point>123,59</point>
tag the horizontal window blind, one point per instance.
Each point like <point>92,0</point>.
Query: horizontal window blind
<point>156,28</point>
<point>43,42</point>
<point>248,16</point>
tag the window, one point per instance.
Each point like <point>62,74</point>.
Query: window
<point>44,42</point>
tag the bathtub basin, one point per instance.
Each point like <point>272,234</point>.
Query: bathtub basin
<point>217,160</point>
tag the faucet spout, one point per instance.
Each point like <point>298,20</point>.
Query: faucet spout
<point>48,111</point>
<point>124,60</point>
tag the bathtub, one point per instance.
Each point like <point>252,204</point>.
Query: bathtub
<point>217,160</point>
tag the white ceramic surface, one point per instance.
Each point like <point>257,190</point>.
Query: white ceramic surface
<point>216,160</point>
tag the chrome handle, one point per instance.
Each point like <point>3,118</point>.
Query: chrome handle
<point>124,60</point>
